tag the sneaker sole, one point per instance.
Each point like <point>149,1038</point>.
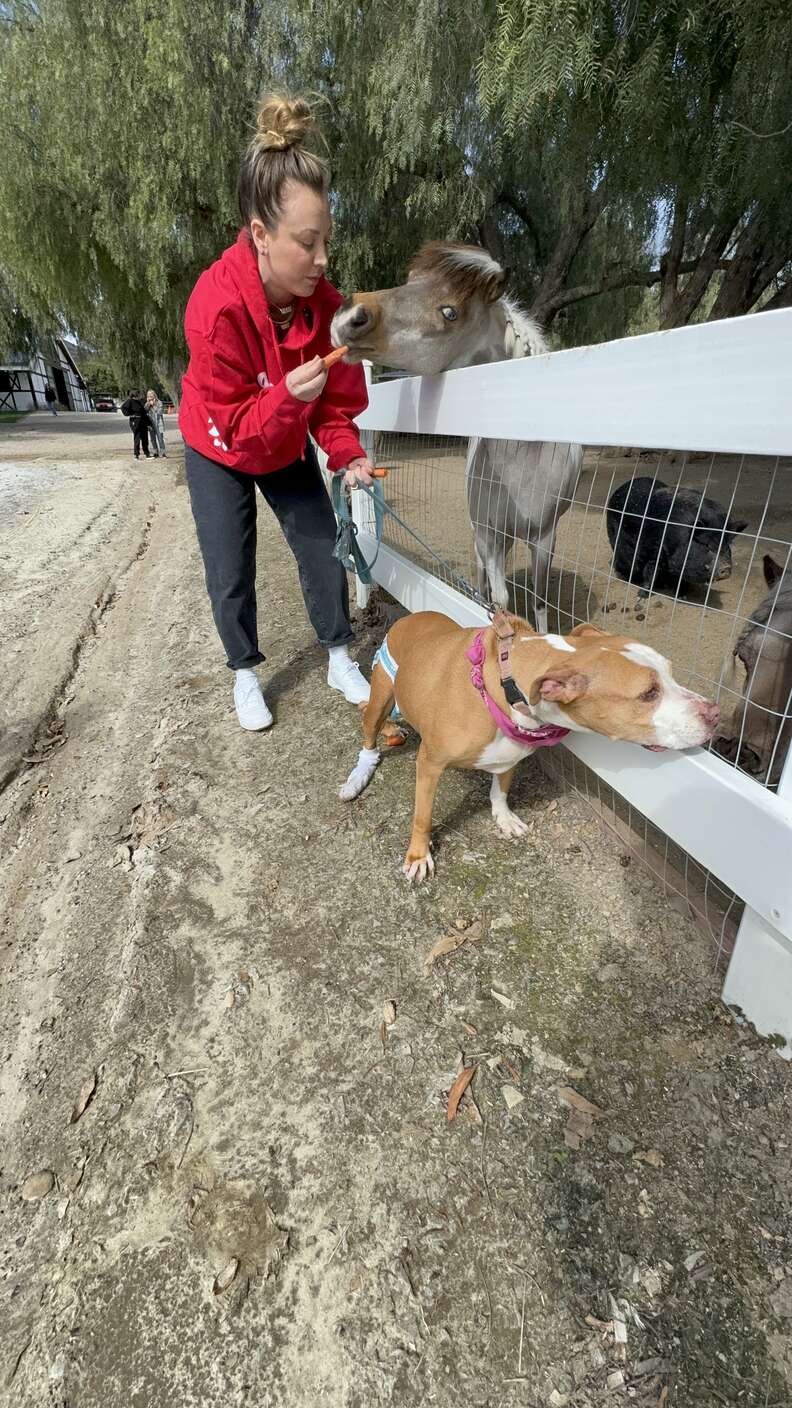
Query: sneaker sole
<point>357,702</point>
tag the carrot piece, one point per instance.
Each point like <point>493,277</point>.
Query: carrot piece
<point>334,356</point>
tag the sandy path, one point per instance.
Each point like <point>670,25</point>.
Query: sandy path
<point>191,917</point>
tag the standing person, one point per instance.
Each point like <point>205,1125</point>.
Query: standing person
<point>135,408</point>
<point>51,396</point>
<point>257,325</point>
<point>157,423</point>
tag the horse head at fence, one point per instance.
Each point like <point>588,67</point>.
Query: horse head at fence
<point>453,311</point>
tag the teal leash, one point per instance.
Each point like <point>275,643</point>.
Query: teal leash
<point>348,551</point>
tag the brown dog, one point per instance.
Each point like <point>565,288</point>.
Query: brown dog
<point>453,687</point>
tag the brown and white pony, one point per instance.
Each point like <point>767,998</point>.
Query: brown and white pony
<point>453,312</point>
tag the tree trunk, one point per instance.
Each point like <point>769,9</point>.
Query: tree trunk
<point>545,303</point>
<point>671,260</point>
<point>681,307</point>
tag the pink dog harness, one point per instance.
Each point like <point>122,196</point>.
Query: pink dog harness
<point>545,736</point>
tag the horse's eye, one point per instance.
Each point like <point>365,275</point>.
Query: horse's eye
<point>449,314</point>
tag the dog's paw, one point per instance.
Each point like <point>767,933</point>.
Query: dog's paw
<point>361,774</point>
<point>509,824</point>
<point>418,867</point>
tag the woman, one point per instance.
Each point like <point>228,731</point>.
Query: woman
<point>257,325</point>
<point>157,423</point>
<point>134,408</point>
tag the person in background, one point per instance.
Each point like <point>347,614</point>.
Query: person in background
<point>51,396</point>
<point>256,391</point>
<point>157,420</point>
<point>135,409</point>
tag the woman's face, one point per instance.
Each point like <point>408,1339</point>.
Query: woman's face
<point>293,257</point>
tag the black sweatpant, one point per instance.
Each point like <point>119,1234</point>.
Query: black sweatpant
<point>140,434</point>
<point>224,508</point>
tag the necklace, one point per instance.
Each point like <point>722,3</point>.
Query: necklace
<point>286,314</point>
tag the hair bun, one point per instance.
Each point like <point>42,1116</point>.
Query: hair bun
<point>282,122</point>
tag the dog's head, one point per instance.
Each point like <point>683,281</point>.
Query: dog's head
<point>594,682</point>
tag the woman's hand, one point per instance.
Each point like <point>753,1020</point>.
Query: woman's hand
<point>307,382</point>
<point>359,472</point>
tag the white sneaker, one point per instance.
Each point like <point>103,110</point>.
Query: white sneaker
<point>249,702</point>
<point>344,675</point>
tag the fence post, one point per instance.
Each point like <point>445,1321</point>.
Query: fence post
<point>362,505</point>
<point>759,976</point>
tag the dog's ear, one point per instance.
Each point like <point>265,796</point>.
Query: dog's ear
<point>560,687</point>
<point>736,525</point>
<point>586,629</point>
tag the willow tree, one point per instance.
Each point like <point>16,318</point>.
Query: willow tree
<point>600,149</point>
<point>122,127</point>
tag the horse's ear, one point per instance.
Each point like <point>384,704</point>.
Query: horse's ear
<point>496,285</point>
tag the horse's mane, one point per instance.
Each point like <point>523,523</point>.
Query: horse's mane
<point>471,272</point>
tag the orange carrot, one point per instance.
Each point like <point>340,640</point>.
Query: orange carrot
<point>333,357</point>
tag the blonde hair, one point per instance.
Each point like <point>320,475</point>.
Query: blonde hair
<point>277,154</point>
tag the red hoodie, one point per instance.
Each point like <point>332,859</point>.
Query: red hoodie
<point>235,407</point>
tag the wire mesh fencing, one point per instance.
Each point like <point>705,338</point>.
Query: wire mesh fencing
<point>690,553</point>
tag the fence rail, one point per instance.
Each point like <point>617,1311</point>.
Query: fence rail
<point>721,388</point>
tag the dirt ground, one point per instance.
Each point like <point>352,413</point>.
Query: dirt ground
<point>228,1176</point>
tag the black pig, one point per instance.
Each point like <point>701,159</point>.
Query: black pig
<point>665,537</point>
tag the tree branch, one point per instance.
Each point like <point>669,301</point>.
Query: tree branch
<point>781,299</point>
<point>510,198</point>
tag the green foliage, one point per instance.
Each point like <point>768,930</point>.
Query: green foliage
<point>568,136</point>
<point>100,376</point>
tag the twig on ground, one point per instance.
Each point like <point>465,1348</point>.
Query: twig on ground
<point>338,1243</point>
<point>483,1170</point>
<point>189,1136</point>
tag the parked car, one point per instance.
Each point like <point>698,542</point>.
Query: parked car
<point>105,403</point>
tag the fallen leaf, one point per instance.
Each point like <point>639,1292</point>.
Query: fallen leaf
<point>38,1185</point>
<point>663,1396</point>
<point>645,1208</point>
<point>224,1278</point>
<point>513,1072</point>
<point>458,1089</point>
<point>383,1033</point>
<point>691,1262</point>
<point>84,1098</point>
<point>649,1156</point>
<point>230,998</point>
<point>389,1013</point>
<point>511,1096</point>
<point>568,1096</point>
<point>503,999</point>
<point>472,1110</point>
<point>454,940</point>
<point>63,1205</point>
<point>470,1029</point>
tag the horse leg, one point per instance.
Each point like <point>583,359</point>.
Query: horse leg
<point>541,558</point>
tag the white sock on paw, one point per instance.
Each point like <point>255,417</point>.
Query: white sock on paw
<point>361,774</point>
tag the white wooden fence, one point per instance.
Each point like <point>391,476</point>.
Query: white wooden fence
<point>724,387</point>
